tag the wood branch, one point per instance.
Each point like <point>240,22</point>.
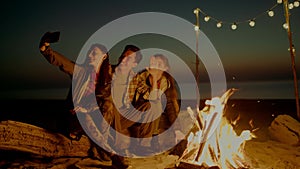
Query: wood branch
<point>205,135</point>
<point>42,144</point>
<point>188,165</point>
<point>18,136</point>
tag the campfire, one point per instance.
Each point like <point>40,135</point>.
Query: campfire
<point>213,141</point>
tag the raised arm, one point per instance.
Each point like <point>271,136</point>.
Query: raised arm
<point>57,59</point>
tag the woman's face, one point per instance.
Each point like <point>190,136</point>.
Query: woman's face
<point>95,57</point>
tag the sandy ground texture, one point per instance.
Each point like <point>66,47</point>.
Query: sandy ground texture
<point>259,155</point>
<point>267,152</point>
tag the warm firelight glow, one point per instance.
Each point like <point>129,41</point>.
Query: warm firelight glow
<point>215,143</point>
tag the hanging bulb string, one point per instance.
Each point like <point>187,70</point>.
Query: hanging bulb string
<point>251,20</point>
<point>238,22</point>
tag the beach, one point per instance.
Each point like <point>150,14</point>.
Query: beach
<point>46,113</point>
<point>249,114</point>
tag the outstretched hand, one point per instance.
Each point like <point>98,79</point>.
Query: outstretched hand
<point>44,46</point>
<point>47,38</point>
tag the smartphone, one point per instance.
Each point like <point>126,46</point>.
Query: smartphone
<point>51,37</point>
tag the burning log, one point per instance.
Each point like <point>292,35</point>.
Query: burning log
<point>205,135</point>
<point>216,143</point>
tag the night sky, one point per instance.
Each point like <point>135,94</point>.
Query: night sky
<point>256,60</point>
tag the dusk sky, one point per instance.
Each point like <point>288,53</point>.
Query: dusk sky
<point>255,59</point>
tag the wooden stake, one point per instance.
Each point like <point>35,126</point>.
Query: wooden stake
<point>287,18</point>
<point>197,55</point>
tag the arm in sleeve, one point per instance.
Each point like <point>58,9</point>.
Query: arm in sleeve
<point>172,105</point>
<point>59,60</point>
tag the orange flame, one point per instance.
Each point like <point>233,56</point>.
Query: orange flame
<point>215,143</point>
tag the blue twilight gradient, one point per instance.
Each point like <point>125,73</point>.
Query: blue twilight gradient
<point>250,56</point>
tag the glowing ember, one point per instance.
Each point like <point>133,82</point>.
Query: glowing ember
<point>215,143</point>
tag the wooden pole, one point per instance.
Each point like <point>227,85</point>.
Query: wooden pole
<point>292,53</point>
<point>197,29</point>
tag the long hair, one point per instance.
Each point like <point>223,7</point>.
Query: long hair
<point>105,73</point>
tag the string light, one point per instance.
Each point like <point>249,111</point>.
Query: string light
<point>293,49</point>
<point>251,23</point>
<point>234,26</point>
<point>206,18</point>
<point>271,13</point>
<point>285,26</point>
<point>296,4</point>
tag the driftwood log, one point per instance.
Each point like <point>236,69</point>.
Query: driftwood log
<point>23,137</point>
<point>41,144</point>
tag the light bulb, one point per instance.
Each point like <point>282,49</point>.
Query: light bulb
<point>271,13</point>
<point>206,18</point>
<point>252,23</point>
<point>296,4</point>
<point>196,28</point>
<point>196,11</point>
<point>279,1</point>
<point>219,24</point>
<point>293,49</point>
<point>291,6</point>
<point>285,26</point>
<point>234,26</point>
